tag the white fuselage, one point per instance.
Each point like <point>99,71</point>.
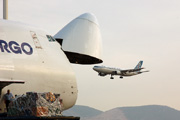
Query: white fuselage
<point>113,71</point>
<point>26,54</point>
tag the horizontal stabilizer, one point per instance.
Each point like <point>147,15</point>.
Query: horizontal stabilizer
<point>145,71</point>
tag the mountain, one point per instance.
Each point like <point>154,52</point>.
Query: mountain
<point>149,112</point>
<point>82,111</point>
<point>114,114</point>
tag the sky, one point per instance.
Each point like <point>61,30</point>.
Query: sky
<point>132,30</point>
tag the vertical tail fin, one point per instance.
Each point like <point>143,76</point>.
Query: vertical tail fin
<point>139,65</point>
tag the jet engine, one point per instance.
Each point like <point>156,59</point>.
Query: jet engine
<point>81,40</point>
<point>102,74</point>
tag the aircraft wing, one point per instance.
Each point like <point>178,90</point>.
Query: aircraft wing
<point>131,70</point>
<point>4,83</point>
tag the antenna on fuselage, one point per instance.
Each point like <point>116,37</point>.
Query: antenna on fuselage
<point>5,9</point>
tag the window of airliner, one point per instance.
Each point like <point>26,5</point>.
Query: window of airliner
<point>50,38</point>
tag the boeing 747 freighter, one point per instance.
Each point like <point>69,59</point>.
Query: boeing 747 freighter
<point>33,60</point>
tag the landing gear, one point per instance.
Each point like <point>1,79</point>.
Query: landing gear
<point>111,77</point>
<point>121,77</point>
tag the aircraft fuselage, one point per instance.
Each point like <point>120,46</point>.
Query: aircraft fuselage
<point>27,54</point>
<point>112,71</point>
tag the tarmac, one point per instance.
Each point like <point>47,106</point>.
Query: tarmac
<point>3,116</point>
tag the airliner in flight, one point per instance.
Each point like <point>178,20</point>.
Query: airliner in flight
<point>31,60</point>
<point>103,71</point>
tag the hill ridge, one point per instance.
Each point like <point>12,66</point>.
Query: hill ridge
<point>145,112</point>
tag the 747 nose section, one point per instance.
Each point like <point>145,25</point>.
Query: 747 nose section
<point>90,17</point>
<point>81,40</point>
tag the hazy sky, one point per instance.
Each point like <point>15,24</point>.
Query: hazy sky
<point>132,30</point>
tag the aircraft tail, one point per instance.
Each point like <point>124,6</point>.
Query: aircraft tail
<point>138,66</point>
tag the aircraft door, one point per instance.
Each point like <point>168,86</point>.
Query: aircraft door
<point>36,40</point>
<point>38,46</point>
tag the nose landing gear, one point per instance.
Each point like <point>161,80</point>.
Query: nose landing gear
<point>111,77</point>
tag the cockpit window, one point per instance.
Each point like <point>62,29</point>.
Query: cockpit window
<point>50,38</point>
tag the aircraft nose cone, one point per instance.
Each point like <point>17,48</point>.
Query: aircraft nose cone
<point>94,68</point>
<point>82,35</point>
<point>90,17</point>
